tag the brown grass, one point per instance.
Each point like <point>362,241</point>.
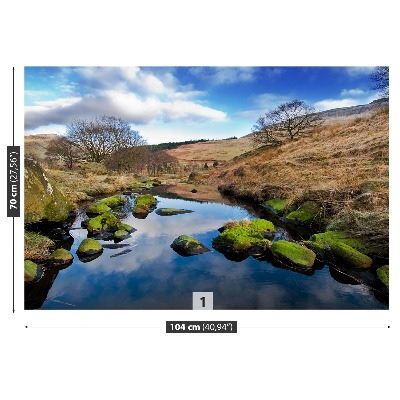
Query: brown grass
<point>331,166</point>
<point>219,150</point>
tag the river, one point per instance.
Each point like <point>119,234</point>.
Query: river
<point>144,273</point>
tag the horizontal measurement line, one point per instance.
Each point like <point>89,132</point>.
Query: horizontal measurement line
<point>240,327</point>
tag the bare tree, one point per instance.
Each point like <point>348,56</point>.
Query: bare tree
<point>100,136</point>
<point>381,78</point>
<point>291,119</point>
<point>64,151</point>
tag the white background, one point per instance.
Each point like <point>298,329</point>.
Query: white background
<point>126,354</point>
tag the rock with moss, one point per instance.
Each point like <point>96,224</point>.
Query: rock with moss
<point>97,209</point>
<point>321,241</point>
<point>164,212</point>
<point>277,206</point>
<point>30,270</point>
<point>106,222</point>
<point>244,237</point>
<point>60,257</point>
<point>383,275</point>
<point>43,198</point>
<point>348,256</point>
<point>113,201</point>
<point>120,235</point>
<point>89,247</point>
<point>339,247</point>
<point>293,254</point>
<point>126,227</point>
<point>144,204</point>
<point>186,245</point>
<point>307,213</point>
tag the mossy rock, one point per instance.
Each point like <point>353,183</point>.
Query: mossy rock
<point>186,245</point>
<point>293,254</point>
<point>144,204</point>
<point>348,256</point>
<point>43,199</point>
<point>126,227</point>
<point>60,257</point>
<point>383,275</point>
<point>106,222</point>
<point>307,213</point>
<point>245,236</point>
<point>113,201</point>
<point>264,227</point>
<point>30,270</point>
<point>171,211</point>
<point>98,208</point>
<point>338,236</point>
<point>276,205</point>
<point>120,235</point>
<point>89,247</point>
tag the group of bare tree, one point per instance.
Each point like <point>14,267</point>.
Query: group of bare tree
<point>140,159</point>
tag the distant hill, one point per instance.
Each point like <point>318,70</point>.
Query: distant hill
<point>36,145</point>
<point>353,111</point>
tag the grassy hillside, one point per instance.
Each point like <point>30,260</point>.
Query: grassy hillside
<point>344,166</point>
<point>36,145</point>
<point>218,150</point>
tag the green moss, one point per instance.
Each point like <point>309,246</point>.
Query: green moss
<point>125,227</point>
<point>98,208</point>
<point>144,204</point>
<point>37,247</point>
<point>188,246</point>
<point>306,213</point>
<point>60,256</point>
<point>262,226</point>
<point>103,223</point>
<point>277,204</point>
<point>113,201</point>
<point>244,236</point>
<point>43,199</point>
<point>88,247</point>
<point>338,236</point>
<point>120,234</point>
<point>293,253</point>
<point>349,256</point>
<point>171,211</point>
<point>383,275</point>
<point>30,270</point>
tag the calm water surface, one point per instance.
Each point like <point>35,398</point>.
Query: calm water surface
<point>145,273</point>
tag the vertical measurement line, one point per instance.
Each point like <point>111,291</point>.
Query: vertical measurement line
<point>13,268</point>
<point>13,107</point>
<point>13,89</point>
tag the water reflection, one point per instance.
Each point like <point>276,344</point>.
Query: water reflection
<point>143,272</point>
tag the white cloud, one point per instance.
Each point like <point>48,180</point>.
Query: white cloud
<point>352,92</point>
<point>356,71</point>
<point>224,75</point>
<point>329,104</point>
<point>125,105</point>
<point>267,101</point>
<point>63,102</point>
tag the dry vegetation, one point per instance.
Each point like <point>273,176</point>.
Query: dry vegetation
<point>218,150</point>
<point>36,145</point>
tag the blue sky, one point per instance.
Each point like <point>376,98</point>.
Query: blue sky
<point>183,103</point>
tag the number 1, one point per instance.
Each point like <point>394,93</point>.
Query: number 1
<point>203,299</point>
